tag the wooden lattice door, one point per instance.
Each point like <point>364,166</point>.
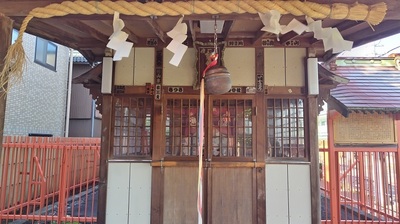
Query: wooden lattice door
<point>229,167</point>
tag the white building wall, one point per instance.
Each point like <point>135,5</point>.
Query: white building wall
<point>136,69</point>
<point>288,194</point>
<point>38,103</point>
<point>284,66</point>
<point>128,193</point>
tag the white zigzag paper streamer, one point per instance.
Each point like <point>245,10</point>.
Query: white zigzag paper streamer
<point>178,35</point>
<point>331,37</point>
<point>118,39</point>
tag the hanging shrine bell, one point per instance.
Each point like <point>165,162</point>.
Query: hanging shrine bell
<point>217,79</point>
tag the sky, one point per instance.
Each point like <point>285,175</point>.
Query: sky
<point>380,48</point>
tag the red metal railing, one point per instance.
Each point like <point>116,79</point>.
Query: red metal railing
<point>359,185</point>
<point>49,179</point>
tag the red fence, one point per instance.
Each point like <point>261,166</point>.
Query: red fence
<point>49,179</point>
<point>360,185</point>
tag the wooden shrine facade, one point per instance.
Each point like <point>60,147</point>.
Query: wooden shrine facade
<point>261,149</point>
<point>260,140</point>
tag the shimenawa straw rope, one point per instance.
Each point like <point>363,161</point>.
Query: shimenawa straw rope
<point>15,58</point>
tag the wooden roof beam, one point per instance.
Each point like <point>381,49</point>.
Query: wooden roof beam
<point>384,29</point>
<point>81,26</point>
<point>227,29</point>
<point>89,56</point>
<point>258,35</point>
<point>343,28</point>
<point>192,30</point>
<point>156,28</point>
<point>132,37</point>
<point>288,36</point>
<point>106,29</point>
<point>325,73</point>
<point>46,34</point>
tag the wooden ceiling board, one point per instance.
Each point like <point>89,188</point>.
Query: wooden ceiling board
<point>140,28</point>
<point>247,26</point>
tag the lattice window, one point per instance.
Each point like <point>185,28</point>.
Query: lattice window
<point>181,127</point>
<point>285,128</point>
<point>132,126</point>
<point>232,128</point>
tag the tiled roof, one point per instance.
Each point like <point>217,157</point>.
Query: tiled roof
<point>373,88</point>
<point>80,59</point>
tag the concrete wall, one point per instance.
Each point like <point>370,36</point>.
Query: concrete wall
<point>38,103</point>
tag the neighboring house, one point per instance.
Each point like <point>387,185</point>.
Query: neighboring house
<point>85,120</point>
<point>37,105</point>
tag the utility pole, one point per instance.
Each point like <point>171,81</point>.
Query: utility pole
<point>5,42</point>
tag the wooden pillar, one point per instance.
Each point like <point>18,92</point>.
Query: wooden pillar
<point>260,141</point>
<point>5,41</point>
<point>107,106</point>
<point>314,160</point>
<point>157,181</point>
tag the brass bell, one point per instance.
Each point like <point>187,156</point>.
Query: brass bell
<point>217,80</point>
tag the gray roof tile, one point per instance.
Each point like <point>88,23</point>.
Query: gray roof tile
<point>369,88</point>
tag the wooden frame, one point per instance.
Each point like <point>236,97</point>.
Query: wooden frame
<point>143,147</point>
<point>304,126</point>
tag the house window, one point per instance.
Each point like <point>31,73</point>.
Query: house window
<point>46,53</point>
<point>132,127</point>
<point>285,128</point>
<point>14,36</point>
